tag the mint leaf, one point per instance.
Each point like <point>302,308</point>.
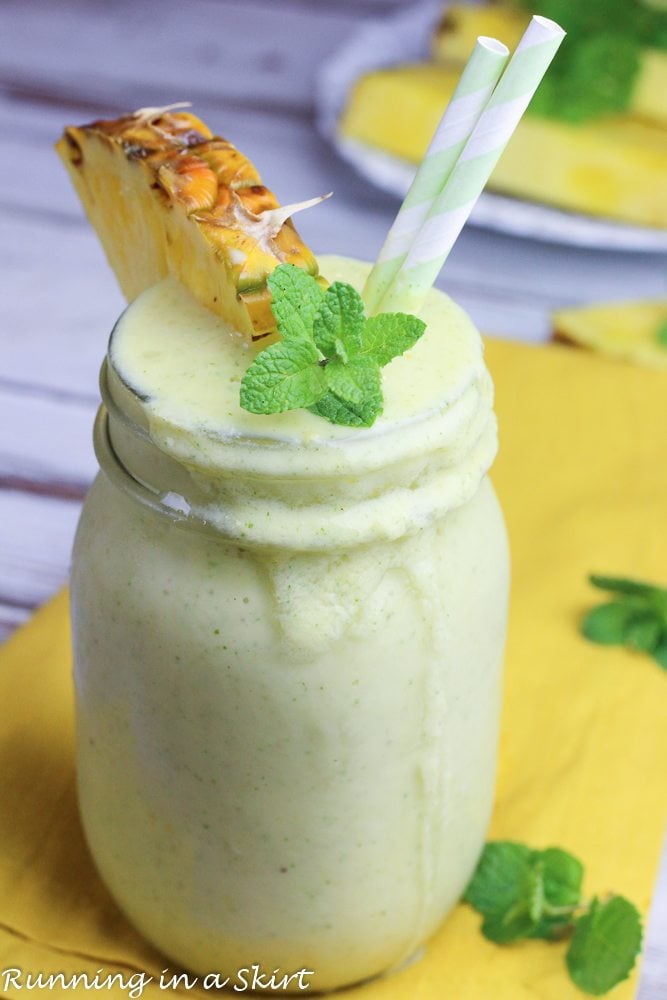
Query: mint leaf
<point>659,654</point>
<point>295,299</point>
<point>601,70</point>
<point>608,624</point>
<point>661,334</point>
<point>644,596</point>
<point>502,889</point>
<point>644,632</point>
<point>329,357</point>
<point>502,866</point>
<point>523,917</point>
<point>562,876</point>
<point>637,618</point>
<point>605,945</point>
<point>511,925</point>
<point>339,321</point>
<point>389,334</point>
<point>354,396</point>
<point>285,376</point>
<point>622,585</point>
<point>523,893</point>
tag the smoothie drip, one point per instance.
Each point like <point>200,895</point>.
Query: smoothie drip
<point>435,762</point>
<point>318,599</point>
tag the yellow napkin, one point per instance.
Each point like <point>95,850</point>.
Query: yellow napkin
<point>582,476</point>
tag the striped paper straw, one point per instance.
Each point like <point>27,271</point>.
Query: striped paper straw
<point>473,90</point>
<point>450,210</point>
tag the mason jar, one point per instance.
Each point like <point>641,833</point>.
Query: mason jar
<point>288,658</point>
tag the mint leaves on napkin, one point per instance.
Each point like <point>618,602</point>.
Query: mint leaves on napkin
<point>523,893</point>
<point>635,617</point>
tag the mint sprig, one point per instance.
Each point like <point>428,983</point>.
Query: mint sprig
<point>330,355</point>
<point>524,893</point>
<point>636,617</point>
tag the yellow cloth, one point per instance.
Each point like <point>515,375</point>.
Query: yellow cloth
<point>582,475</point>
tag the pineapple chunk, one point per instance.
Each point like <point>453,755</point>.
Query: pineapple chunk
<point>461,24</point>
<point>398,109</point>
<point>615,168</point>
<point>628,331</point>
<point>649,97</point>
<point>166,197</point>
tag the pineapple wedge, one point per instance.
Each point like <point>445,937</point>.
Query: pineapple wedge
<point>627,331</point>
<point>167,197</point>
<point>615,167</point>
<point>457,33</point>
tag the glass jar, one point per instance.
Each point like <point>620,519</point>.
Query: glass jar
<point>288,686</point>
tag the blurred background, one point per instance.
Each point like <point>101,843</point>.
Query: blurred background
<point>279,78</point>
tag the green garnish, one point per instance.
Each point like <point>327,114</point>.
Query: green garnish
<point>605,945</point>
<point>330,355</point>
<point>595,70</point>
<point>661,334</point>
<point>522,893</point>
<point>636,617</point>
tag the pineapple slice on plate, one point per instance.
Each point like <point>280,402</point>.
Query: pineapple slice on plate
<point>627,331</point>
<point>167,197</point>
<point>614,167</point>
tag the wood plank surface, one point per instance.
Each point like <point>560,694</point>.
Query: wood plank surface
<point>36,554</point>
<point>251,67</point>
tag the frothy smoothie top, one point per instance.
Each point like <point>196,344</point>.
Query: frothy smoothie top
<point>187,366</point>
<point>293,479</point>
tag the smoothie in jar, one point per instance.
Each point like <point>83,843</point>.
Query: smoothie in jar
<point>289,604</point>
<point>288,644</point>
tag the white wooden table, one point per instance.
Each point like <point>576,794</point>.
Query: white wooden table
<point>250,68</point>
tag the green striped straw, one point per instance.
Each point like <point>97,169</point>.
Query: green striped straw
<point>473,90</point>
<point>450,210</point>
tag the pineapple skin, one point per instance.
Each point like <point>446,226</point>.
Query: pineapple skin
<point>614,168</point>
<point>455,37</point>
<point>167,198</point>
<point>623,331</point>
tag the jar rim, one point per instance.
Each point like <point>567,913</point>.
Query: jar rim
<point>191,408</point>
<point>259,455</point>
<point>394,514</point>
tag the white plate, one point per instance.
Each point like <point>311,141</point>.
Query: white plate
<point>405,37</point>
